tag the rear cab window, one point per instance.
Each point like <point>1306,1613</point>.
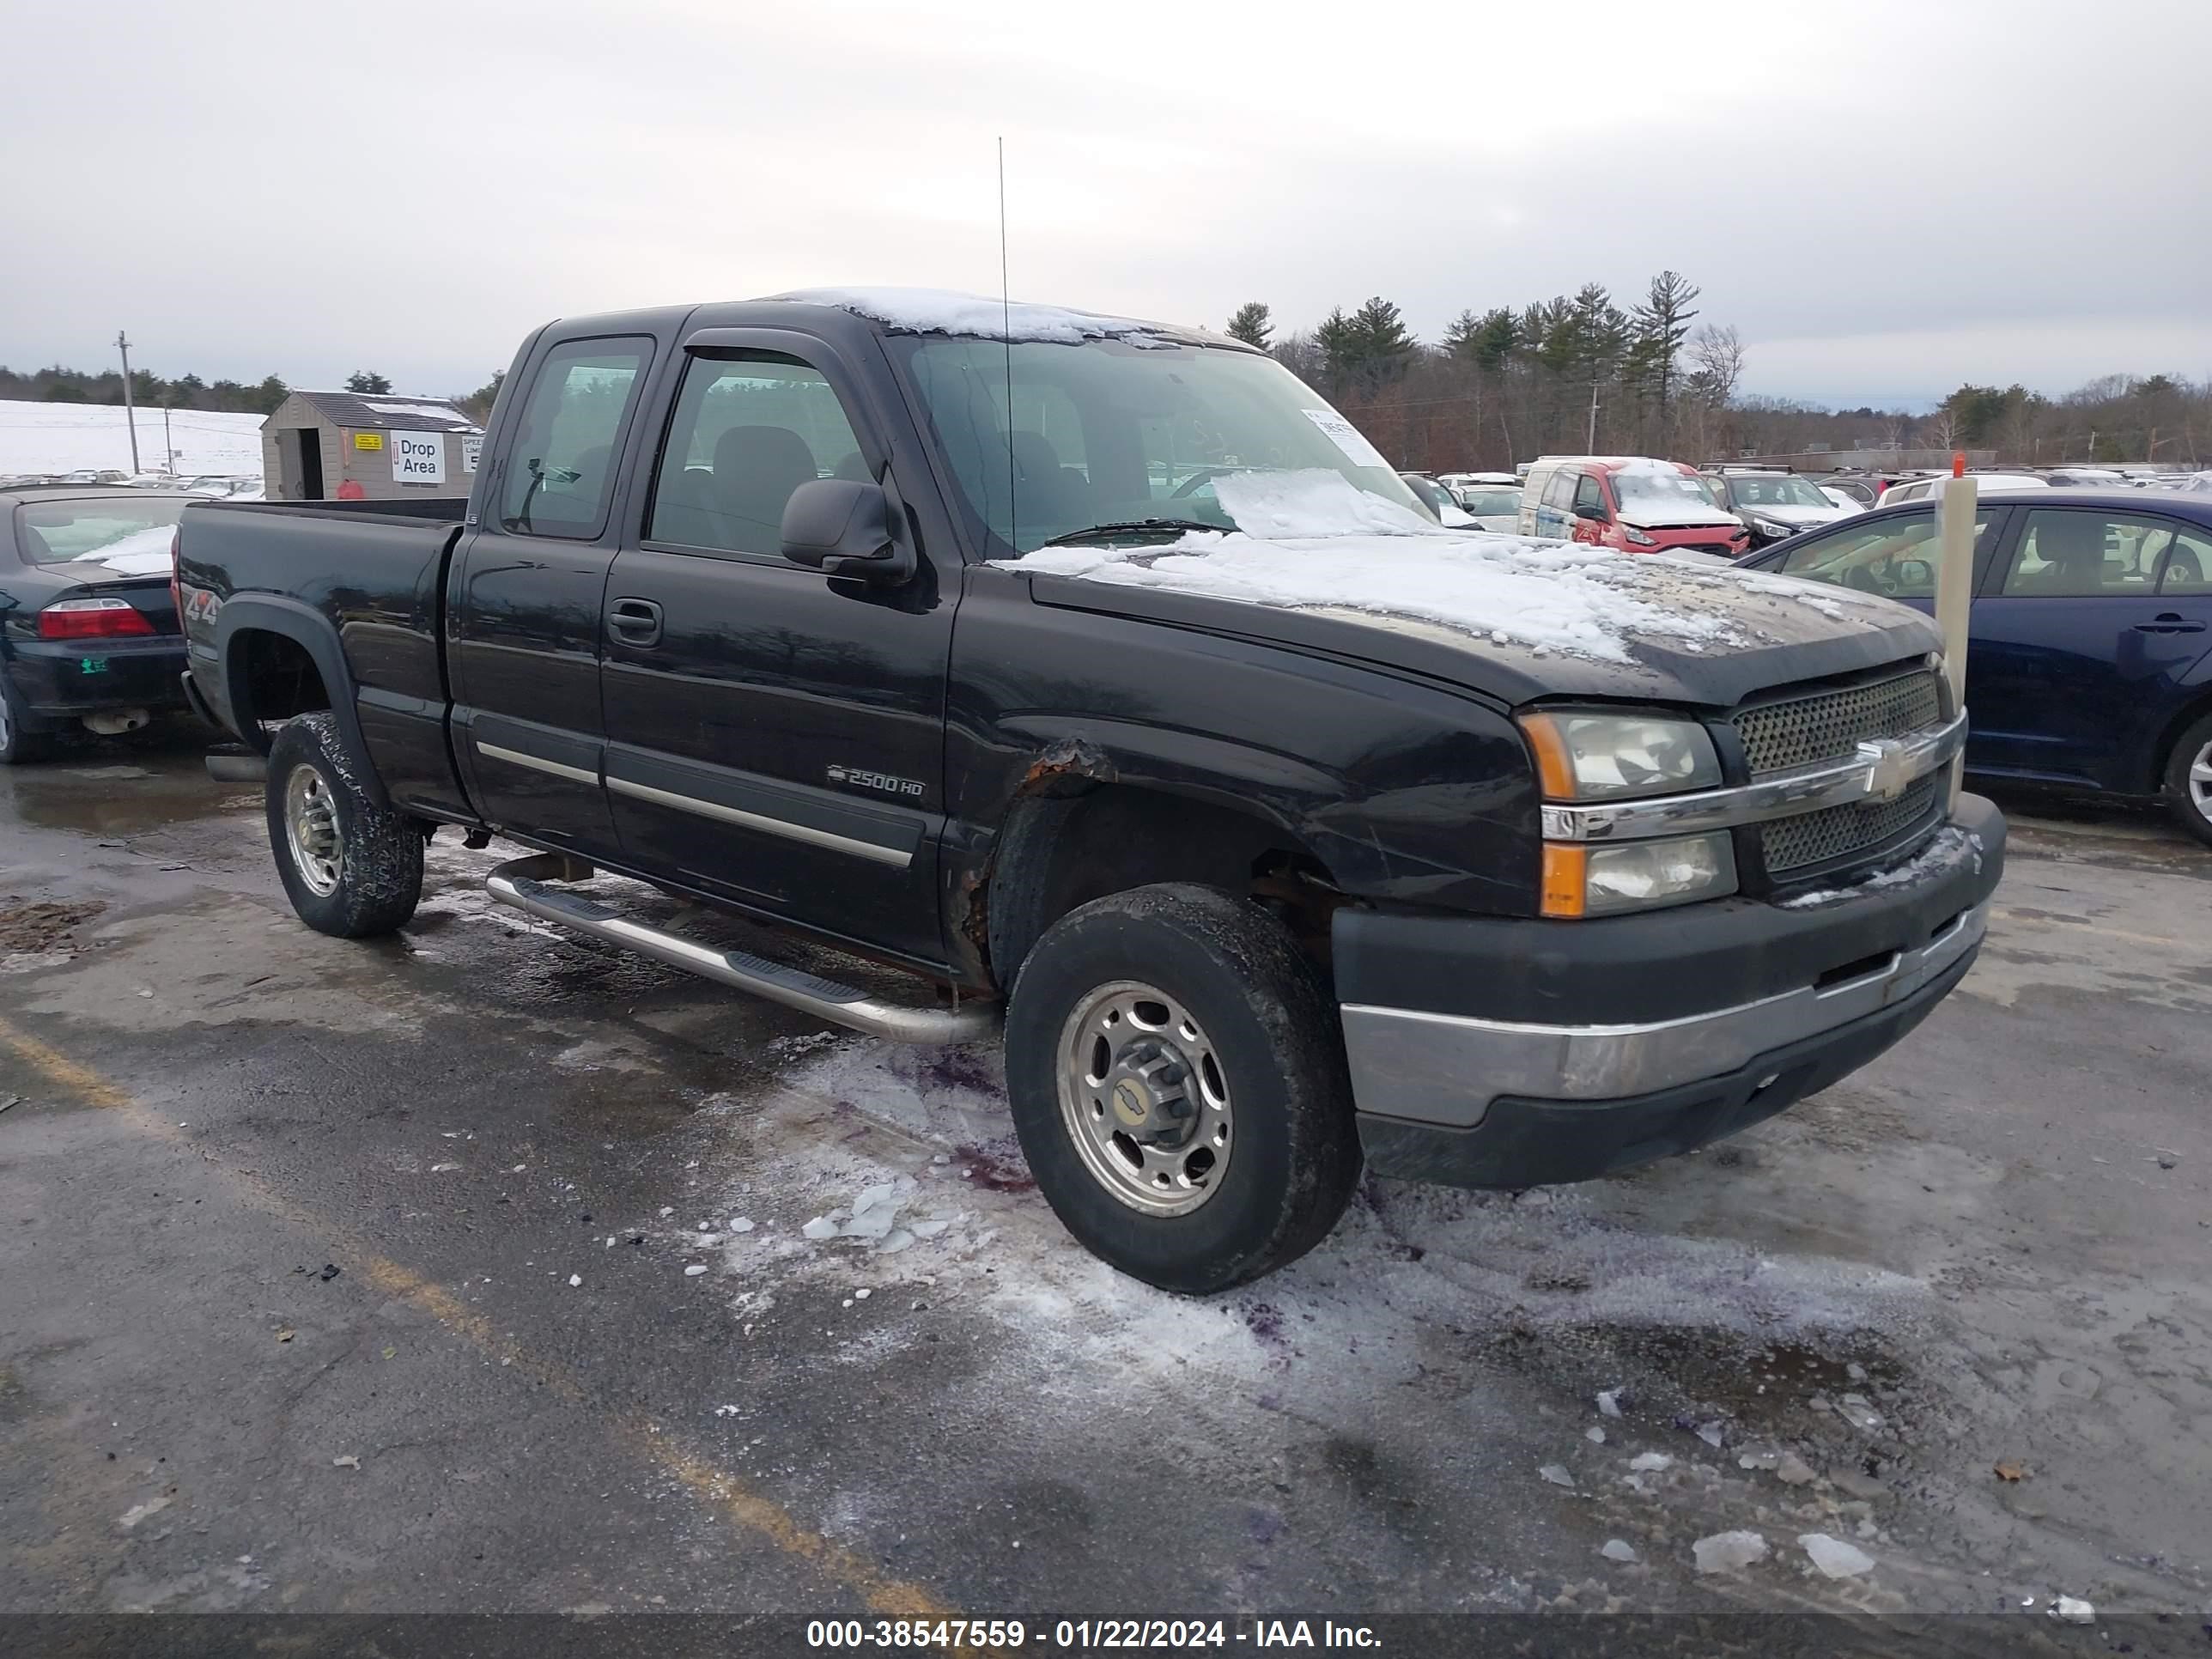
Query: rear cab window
<point>565,448</point>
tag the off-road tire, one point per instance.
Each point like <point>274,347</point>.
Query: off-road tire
<point>379,869</point>
<point>1270,1018</point>
<point>18,744</point>
<point>2189,810</point>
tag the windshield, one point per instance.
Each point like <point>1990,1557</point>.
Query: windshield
<point>54,532</point>
<point>1111,432</point>
<point>1489,501</point>
<point>1656,486</point>
<point>1783,489</point>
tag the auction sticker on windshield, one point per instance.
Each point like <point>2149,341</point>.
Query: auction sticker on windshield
<point>1347,437</point>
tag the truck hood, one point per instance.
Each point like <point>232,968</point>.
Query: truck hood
<point>1509,618</point>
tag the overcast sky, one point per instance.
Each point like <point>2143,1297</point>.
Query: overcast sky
<point>1886,198</point>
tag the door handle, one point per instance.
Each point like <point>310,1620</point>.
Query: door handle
<point>2170,621</point>
<point>634,621</point>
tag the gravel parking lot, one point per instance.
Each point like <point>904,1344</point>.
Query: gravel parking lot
<point>483,1269</point>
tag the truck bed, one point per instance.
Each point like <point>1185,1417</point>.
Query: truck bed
<point>364,580</point>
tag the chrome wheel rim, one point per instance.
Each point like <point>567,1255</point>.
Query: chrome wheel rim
<point>2200,781</point>
<point>1144,1098</point>
<point>311,826</point>
<point>7,723</point>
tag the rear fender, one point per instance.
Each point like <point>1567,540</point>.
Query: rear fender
<point>313,632</point>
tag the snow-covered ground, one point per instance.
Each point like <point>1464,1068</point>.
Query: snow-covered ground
<point>67,437</point>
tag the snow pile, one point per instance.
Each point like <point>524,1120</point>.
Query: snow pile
<point>943,311</point>
<point>1314,502</point>
<point>69,437</point>
<point>1314,540</point>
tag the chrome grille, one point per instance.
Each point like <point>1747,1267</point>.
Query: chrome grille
<point>1869,828</point>
<point>1778,736</point>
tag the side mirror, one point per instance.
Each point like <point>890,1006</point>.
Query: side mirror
<point>842,527</point>
<point>1915,575</point>
<point>1594,514</point>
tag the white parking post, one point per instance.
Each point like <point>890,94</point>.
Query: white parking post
<point>1954,593</point>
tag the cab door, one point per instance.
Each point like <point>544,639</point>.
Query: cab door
<point>523,629</point>
<point>775,737</point>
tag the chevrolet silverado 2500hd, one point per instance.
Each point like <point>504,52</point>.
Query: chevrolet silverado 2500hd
<point>1100,670</point>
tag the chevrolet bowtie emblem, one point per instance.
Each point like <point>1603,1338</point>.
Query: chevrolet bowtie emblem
<point>1886,775</point>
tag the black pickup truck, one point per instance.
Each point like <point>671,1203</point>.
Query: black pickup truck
<point>1099,671</point>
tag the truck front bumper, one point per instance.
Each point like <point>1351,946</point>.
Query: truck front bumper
<point>1495,1053</point>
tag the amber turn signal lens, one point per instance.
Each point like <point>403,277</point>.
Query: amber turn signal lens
<point>1565,879</point>
<point>1555,768</point>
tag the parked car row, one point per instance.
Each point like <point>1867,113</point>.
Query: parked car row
<point>2089,647</point>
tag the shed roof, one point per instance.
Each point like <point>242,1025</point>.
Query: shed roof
<point>370,412</point>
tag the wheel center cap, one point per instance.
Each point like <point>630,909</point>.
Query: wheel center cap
<point>1148,1097</point>
<point>1130,1104</point>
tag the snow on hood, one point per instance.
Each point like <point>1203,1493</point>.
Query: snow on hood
<point>942,310</point>
<point>141,553</point>
<point>1798,514</point>
<point>1665,515</point>
<point>1311,540</point>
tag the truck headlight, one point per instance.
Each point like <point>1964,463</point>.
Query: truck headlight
<point>1635,538</point>
<point>1586,757</point>
<point>1774,527</point>
<point>1609,878</point>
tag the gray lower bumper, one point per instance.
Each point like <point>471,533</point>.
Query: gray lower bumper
<point>1448,1069</point>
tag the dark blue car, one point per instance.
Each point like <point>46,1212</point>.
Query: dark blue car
<point>2089,657</point>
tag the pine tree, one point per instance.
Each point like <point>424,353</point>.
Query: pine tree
<point>479,402</point>
<point>1253,324</point>
<point>362,381</point>
<point>1384,345</point>
<point>1662,323</point>
<point>1337,340</point>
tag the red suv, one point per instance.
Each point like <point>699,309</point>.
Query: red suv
<point>1630,503</point>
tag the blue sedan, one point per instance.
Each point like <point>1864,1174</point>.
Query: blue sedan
<point>2089,655</point>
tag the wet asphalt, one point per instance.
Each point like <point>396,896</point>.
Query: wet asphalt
<point>289,1228</point>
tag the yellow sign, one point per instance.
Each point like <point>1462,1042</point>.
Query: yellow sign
<point>368,440</point>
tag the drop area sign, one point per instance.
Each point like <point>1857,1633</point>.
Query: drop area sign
<point>418,458</point>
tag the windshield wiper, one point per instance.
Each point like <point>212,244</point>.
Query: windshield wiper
<point>1132,527</point>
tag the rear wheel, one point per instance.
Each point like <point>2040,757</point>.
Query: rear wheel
<point>352,868</point>
<point>18,743</point>
<point>2189,780</point>
<point>1178,1082</point>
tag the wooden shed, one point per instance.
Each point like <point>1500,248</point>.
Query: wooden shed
<point>352,446</point>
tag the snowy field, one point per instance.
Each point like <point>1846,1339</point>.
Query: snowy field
<point>66,437</point>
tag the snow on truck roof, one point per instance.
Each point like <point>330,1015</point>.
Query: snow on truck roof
<point>1311,540</point>
<point>986,317</point>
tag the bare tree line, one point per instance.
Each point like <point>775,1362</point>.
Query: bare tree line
<point>1578,373</point>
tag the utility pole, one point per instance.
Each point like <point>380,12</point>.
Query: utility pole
<point>168,449</point>
<point>1589,443</point>
<point>123,345</point>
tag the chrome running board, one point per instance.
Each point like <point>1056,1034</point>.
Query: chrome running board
<point>521,882</point>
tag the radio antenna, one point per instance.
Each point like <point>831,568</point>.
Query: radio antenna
<point>1006,336</point>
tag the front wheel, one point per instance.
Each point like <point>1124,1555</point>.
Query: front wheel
<point>352,868</point>
<point>2189,780</point>
<point>1177,1079</point>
